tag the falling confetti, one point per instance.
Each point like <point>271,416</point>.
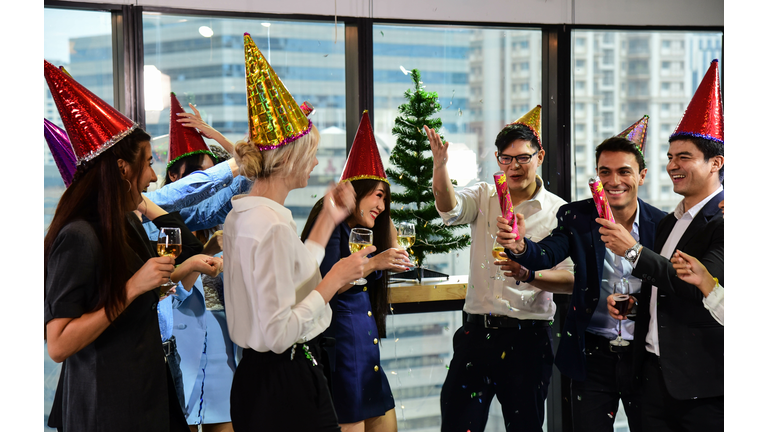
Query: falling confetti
<point>578,397</point>
<point>503,354</point>
<point>382,34</point>
<point>610,414</point>
<point>460,112</point>
<point>325,55</point>
<point>314,196</point>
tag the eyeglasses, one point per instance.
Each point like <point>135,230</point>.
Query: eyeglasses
<point>521,159</point>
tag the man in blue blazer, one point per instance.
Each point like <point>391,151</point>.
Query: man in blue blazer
<point>601,374</point>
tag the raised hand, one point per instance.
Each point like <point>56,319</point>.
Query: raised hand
<point>339,202</point>
<point>439,148</point>
<point>196,121</point>
<point>691,270</point>
<point>392,260</point>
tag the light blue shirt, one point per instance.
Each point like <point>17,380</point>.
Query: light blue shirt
<point>204,213</point>
<point>165,310</point>
<point>615,268</point>
<point>193,188</point>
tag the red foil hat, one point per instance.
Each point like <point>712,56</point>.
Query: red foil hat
<point>92,124</point>
<point>184,141</point>
<point>637,133</point>
<point>532,119</point>
<point>364,161</point>
<point>704,116</point>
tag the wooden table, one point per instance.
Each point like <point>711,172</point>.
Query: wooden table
<point>433,289</point>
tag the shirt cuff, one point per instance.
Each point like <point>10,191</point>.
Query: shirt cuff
<point>315,303</point>
<point>316,250</point>
<point>715,297</point>
<point>181,292</point>
<point>451,216</point>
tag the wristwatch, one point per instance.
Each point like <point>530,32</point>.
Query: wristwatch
<point>631,254</point>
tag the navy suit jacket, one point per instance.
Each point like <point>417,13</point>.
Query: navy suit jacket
<point>577,235</point>
<point>691,342</point>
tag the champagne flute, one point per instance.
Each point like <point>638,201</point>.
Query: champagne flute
<point>406,236</point>
<point>621,297</point>
<point>168,244</point>
<point>359,239</point>
<point>497,250</point>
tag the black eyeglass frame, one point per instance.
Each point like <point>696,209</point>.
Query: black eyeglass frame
<point>517,158</point>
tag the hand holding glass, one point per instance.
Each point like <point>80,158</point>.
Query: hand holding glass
<point>621,297</point>
<point>168,244</point>
<point>359,239</point>
<point>406,236</point>
<point>497,250</point>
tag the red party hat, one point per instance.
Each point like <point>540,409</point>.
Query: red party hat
<point>704,116</point>
<point>364,161</point>
<point>637,133</point>
<point>184,141</point>
<point>92,124</point>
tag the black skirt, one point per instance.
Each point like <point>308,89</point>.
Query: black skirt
<point>285,392</point>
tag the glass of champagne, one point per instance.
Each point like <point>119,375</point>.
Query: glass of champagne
<point>497,250</point>
<point>359,239</point>
<point>621,297</point>
<point>168,244</point>
<point>406,236</point>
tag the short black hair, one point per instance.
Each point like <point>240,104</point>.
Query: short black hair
<point>514,132</point>
<point>620,144</point>
<point>710,148</point>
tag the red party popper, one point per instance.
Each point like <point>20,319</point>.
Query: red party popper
<point>507,210</point>
<point>598,194</point>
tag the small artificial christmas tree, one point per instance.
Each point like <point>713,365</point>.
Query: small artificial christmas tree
<point>414,173</point>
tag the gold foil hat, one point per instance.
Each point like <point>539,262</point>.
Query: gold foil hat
<point>274,117</point>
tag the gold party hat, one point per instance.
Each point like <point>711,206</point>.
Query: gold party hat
<point>532,119</point>
<point>274,118</point>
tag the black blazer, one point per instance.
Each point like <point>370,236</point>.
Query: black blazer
<point>577,235</point>
<point>690,340</point>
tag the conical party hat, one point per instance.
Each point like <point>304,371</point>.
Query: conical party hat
<point>92,125</point>
<point>532,119</point>
<point>637,133</point>
<point>274,117</point>
<point>184,141</point>
<point>364,161</point>
<point>62,152</point>
<point>704,116</point>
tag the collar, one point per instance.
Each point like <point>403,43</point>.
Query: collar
<point>693,211</point>
<point>243,203</point>
<point>636,223</point>
<point>535,200</point>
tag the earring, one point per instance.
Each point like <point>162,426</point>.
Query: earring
<point>129,184</point>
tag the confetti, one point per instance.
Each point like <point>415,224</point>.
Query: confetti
<point>610,414</point>
<point>325,55</point>
<point>503,354</point>
<point>578,397</point>
<point>382,34</point>
<point>558,335</point>
<point>393,373</point>
<point>488,336</point>
<point>314,196</point>
<point>397,339</point>
<point>460,112</point>
<point>446,366</point>
<point>469,364</point>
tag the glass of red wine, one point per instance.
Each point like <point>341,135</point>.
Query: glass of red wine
<point>621,297</point>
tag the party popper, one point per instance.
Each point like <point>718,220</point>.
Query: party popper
<point>598,194</point>
<point>507,210</point>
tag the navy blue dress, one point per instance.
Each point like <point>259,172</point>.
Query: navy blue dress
<point>358,382</point>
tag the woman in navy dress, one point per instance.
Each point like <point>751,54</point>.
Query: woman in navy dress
<point>359,386</point>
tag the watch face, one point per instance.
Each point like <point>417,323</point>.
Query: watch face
<point>631,254</point>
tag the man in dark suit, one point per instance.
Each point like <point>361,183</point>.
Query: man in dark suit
<point>681,359</point>
<point>601,374</point>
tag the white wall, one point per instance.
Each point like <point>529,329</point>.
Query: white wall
<point>600,12</point>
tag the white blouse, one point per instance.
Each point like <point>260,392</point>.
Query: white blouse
<point>270,278</point>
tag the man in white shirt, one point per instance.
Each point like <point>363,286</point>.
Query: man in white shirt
<point>681,362</point>
<point>504,348</point>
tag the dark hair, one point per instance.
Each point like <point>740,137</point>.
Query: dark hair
<point>186,165</point>
<point>514,132</point>
<point>381,239</point>
<point>709,147</point>
<point>92,197</point>
<point>620,144</point>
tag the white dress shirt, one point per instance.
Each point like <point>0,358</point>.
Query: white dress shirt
<point>715,303</point>
<point>684,219</point>
<point>479,206</point>
<point>270,278</point>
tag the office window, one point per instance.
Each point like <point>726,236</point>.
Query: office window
<point>201,59</point>
<point>81,41</point>
<point>664,102</point>
<point>481,84</point>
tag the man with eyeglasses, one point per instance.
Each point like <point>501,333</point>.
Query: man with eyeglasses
<point>504,348</point>
<point>601,373</point>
